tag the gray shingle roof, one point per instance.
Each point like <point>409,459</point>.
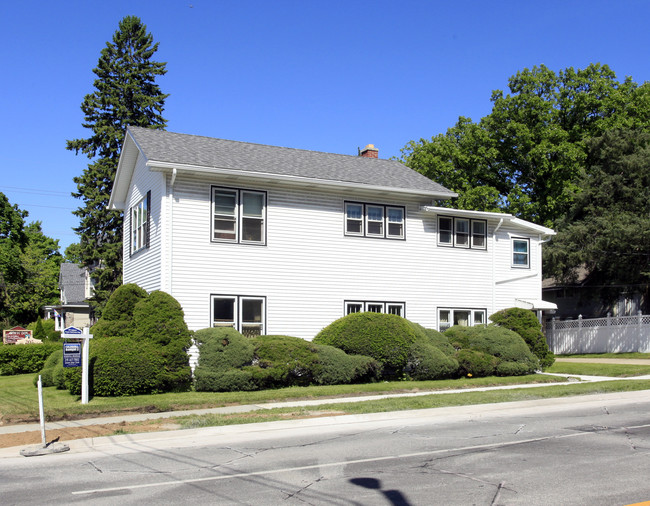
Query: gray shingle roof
<point>175,148</point>
<point>72,281</point>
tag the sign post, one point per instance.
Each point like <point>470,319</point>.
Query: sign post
<point>73,357</point>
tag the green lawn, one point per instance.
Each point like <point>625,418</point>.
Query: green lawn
<point>19,397</point>
<point>609,355</point>
<point>613,370</point>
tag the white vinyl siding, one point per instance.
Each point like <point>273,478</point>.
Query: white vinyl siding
<point>145,270</point>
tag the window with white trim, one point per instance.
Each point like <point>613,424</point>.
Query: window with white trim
<point>448,317</point>
<point>521,253</point>
<point>140,220</point>
<point>462,232</point>
<point>374,220</point>
<point>238,216</point>
<point>247,314</point>
<point>355,306</point>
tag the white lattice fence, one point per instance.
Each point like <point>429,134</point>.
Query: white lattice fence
<point>599,335</point>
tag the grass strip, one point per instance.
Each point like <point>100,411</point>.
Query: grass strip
<point>19,399</point>
<point>410,403</point>
<point>612,370</point>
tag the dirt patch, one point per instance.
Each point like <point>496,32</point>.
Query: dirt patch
<point>70,433</point>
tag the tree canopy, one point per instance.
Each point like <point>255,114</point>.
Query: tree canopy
<point>606,230</point>
<point>125,94</point>
<point>526,156</point>
<point>29,266</point>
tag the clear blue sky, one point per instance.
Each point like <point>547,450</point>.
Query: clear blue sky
<point>322,75</point>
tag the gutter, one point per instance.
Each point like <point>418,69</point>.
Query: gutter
<point>157,166</point>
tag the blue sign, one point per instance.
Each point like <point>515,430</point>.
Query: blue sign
<point>72,330</point>
<point>71,354</point>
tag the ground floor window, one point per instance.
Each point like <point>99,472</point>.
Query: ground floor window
<point>245,313</point>
<point>448,317</point>
<point>396,308</point>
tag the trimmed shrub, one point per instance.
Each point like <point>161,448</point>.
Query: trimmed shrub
<point>476,363</point>
<point>117,317</point>
<point>427,362</point>
<point>159,318</point>
<point>525,323</point>
<point>221,349</point>
<point>24,358</point>
<point>386,338</point>
<point>282,361</point>
<point>47,379</point>
<point>232,380</point>
<point>335,367</point>
<point>440,341</point>
<point>504,344</point>
<point>124,366</point>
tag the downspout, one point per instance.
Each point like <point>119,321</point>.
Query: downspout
<point>494,235</point>
<point>171,230</point>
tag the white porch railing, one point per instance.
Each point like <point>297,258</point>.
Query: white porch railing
<point>613,334</point>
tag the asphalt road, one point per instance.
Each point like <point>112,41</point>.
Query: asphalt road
<point>589,450</point>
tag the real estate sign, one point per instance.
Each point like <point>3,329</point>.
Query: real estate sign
<point>10,336</point>
<point>71,354</point>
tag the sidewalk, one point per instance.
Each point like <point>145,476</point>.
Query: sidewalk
<point>12,429</point>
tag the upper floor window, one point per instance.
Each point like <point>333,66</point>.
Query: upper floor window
<point>396,308</point>
<point>462,232</point>
<point>521,252</point>
<point>238,216</point>
<point>373,220</point>
<point>140,220</point>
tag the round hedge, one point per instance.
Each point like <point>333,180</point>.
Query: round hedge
<point>117,317</point>
<point>427,362</point>
<point>221,349</point>
<point>159,318</point>
<point>504,344</point>
<point>384,337</point>
<point>525,323</point>
<point>125,366</point>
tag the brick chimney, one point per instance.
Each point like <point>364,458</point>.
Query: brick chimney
<point>369,151</point>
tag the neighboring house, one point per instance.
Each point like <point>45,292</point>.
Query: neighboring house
<point>76,287</point>
<point>274,240</point>
<point>582,298</point>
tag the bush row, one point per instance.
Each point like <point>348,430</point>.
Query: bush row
<point>24,358</point>
<point>230,362</point>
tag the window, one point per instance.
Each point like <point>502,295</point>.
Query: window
<point>238,216</point>
<point>244,313</point>
<point>448,317</point>
<point>140,220</point>
<point>521,253</point>
<point>373,220</point>
<point>462,232</point>
<point>396,308</point>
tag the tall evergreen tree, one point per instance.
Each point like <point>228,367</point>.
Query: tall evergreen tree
<point>125,94</point>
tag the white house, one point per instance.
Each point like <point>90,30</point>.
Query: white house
<point>275,240</point>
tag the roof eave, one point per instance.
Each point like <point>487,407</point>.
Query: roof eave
<point>159,166</point>
<point>486,214</point>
